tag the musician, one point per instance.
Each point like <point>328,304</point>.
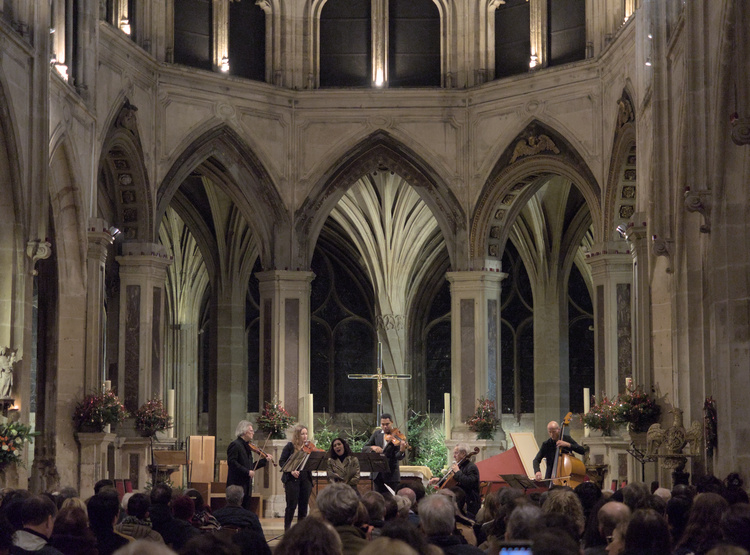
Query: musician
<point>240,465</point>
<point>342,465</point>
<point>549,447</point>
<point>466,474</point>
<point>297,483</point>
<point>391,451</point>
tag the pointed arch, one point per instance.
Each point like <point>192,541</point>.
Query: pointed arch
<point>247,182</point>
<point>124,193</point>
<point>535,154</point>
<point>620,199</point>
<point>379,151</point>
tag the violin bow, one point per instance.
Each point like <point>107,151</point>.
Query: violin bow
<point>261,456</point>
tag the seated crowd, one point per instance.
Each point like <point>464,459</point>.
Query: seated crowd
<point>710,517</point>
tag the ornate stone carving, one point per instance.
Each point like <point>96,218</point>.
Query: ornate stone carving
<point>663,247</point>
<point>741,131</point>
<point>36,249</point>
<point>533,145</point>
<point>625,112</point>
<point>7,360</point>
<point>699,201</point>
<point>127,119</point>
<point>388,322</point>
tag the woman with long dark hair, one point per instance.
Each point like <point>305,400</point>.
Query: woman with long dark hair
<point>343,466</point>
<point>297,483</point>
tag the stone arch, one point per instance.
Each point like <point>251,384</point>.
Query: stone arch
<point>538,152</point>
<point>249,185</point>
<point>123,179</point>
<point>377,152</point>
<point>620,198</point>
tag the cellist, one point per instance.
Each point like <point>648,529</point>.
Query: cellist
<point>549,447</point>
<point>466,476</point>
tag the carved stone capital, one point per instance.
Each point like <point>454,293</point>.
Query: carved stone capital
<point>388,322</point>
<point>36,249</point>
<point>663,247</point>
<point>741,131</point>
<point>699,201</point>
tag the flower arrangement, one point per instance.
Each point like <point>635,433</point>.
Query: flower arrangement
<point>97,410</point>
<point>274,420</point>
<point>484,421</point>
<point>638,409</point>
<point>152,417</point>
<point>604,415</point>
<point>13,436</point>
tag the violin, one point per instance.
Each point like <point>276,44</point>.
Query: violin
<point>395,437</point>
<point>255,449</point>
<point>309,447</point>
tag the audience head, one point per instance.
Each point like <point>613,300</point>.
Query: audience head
<point>562,524</point>
<point>138,505</point>
<point>209,544</point>
<point>404,506</point>
<point>197,498</point>
<point>375,505</point>
<point>437,515</point>
<point>144,547</point>
<point>647,534</point>
<point>664,493</point>
<point>11,506</point>
<point>522,522</point>
<point>636,495</point>
<point>589,494</point>
<point>310,536</point>
<point>72,521</point>
<point>710,484</point>
<point>735,525</point>
<point>103,509</point>
<point>678,511</point>
<point>101,484</point>
<point>546,541</point>
<point>183,507</point>
<point>234,495</point>
<point>407,532</point>
<point>38,513</point>
<point>338,504</point>
<point>65,493</point>
<point>565,501</point>
<point>161,494</point>
<point>409,494</point>
<point>703,528</point>
<point>611,515</point>
<point>734,492</point>
<point>75,502</point>
<point>388,545</point>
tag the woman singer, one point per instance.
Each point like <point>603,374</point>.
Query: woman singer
<point>343,466</point>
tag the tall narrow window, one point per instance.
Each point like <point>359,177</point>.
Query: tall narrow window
<point>192,33</point>
<point>247,40</point>
<point>345,43</point>
<point>413,43</point>
<point>567,31</point>
<point>512,38</point>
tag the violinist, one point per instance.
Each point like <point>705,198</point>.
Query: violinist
<point>298,483</point>
<point>549,447</point>
<point>342,465</point>
<point>466,475</point>
<point>240,465</point>
<point>389,442</point>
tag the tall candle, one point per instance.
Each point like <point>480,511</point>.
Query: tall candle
<point>107,385</point>
<point>586,408</point>
<point>447,402</point>
<point>170,410</point>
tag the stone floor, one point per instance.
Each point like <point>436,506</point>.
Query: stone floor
<point>273,528</point>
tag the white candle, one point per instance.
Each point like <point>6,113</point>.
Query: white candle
<point>447,402</point>
<point>586,408</point>
<point>628,383</point>
<point>107,385</point>
<point>170,411</point>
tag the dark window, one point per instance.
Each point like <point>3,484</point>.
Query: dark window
<point>567,31</point>
<point>438,364</point>
<point>512,38</point>
<point>192,33</point>
<point>247,40</point>
<point>345,44</point>
<point>580,339</point>
<point>414,44</point>
<point>252,324</point>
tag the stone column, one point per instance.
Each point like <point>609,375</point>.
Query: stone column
<point>99,242</point>
<point>285,336</point>
<point>475,344</point>
<point>379,17</point>
<point>538,22</point>
<point>141,354</point>
<point>612,272</point>
<point>220,10</point>
<point>637,236</point>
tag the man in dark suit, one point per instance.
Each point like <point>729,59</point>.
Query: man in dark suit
<point>240,465</point>
<point>549,447</point>
<point>393,451</point>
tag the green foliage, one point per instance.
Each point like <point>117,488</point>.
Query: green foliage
<point>325,433</point>
<point>428,443</point>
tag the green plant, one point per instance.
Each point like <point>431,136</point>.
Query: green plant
<point>604,415</point>
<point>427,442</point>
<point>324,433</point>
<point>274,420</point>
<point>152,417</point>
<point>13,436</point>
<point>484,421</point>
<point>96,410</point>
<point>638,409</point>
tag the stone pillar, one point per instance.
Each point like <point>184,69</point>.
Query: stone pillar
<point>612,272</point>
<point>475,344</point>
<point>379,17</point>
<point>285,336</point>
<point>220,10</point>
<point>99,242</point>
<point>538,22</point>
<point>637,236</point>
<point>141,354</point>
<point>94,463</point>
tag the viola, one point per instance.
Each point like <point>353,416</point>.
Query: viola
<point>309,447</point>
<point>255,449</point>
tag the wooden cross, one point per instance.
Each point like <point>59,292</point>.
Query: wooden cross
<point>379,376</point>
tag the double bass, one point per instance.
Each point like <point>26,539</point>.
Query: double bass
<point>566,470</point>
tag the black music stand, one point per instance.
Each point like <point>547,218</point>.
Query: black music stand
<point>519,481</point>
<point>372,462</point>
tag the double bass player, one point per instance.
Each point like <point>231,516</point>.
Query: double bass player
<point>549,447</point>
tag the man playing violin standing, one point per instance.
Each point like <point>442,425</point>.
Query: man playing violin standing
<point>240,465</point>
<point>549,447</point>
<point>390,444</point>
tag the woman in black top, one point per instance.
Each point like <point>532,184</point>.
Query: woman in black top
<point>297,484</point>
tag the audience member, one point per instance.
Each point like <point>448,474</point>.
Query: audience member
<point>76,502</point>
<point>589,494</point>
<point>703,530</point>
<point>144,547</point>
<point>678,511</point>
<point>175,532</point>
<point>388,545</point>
<point>565,501</point>
<point>437,514</point>
<point>374,503</point>
<point>210,544</point>
<point>250,541</point>
<point>311,536</point>
<point>734,492</point>
<point>103,510</point>
<point>338,504</point>
<point>647,534</point>
<point>11,506</point>
<point>37,516</point>
<point>137,524</point>
<point>546,541</point>
<point>735,525</point>
<point>610,515</point>
<point>522,522</point>
<point>234,515</point>
<point>404,530</point>
<point>636,496</point>
<point>412,516</point>
<point>101,484</point>
<point>71,533</point>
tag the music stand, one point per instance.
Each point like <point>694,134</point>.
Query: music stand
<point>372,463</point>
<point>519,481</point>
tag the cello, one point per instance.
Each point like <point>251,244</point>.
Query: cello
<point>566,470</point>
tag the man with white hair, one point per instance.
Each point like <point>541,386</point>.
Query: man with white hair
<point>240,465</point>
<point>234,515</point>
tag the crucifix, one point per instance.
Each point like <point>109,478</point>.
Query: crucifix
<point>379,376</point>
